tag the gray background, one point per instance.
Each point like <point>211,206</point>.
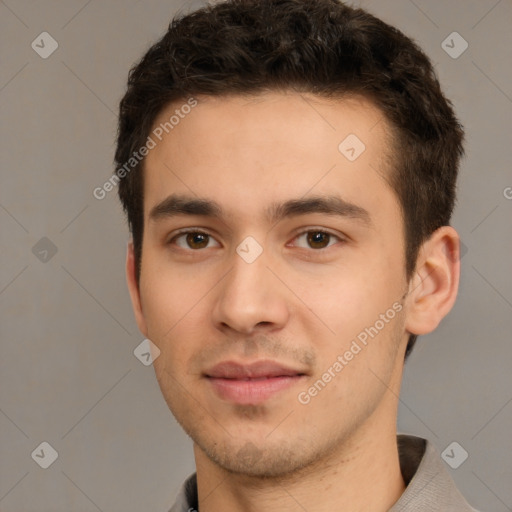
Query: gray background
<point>68,373</point>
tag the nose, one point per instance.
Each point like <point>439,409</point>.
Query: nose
<point>250,298</point>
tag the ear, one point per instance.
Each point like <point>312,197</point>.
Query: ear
<point>433,289</point>
<point>134,290</point>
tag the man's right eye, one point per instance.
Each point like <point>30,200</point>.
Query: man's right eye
<point>195,240</point>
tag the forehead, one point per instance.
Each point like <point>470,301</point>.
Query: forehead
<point>256,115</point>
<point>264,147</point>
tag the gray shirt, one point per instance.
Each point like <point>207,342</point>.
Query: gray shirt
<point>429,485</point>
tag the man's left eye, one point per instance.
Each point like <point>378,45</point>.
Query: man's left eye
<point>316,239</point>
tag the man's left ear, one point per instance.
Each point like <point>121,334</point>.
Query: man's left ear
<point>433,288</point>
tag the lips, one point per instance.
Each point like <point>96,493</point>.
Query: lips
<point>257,370</point>
<point>251,384</point>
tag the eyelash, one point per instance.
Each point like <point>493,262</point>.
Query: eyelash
<point>188,231</point>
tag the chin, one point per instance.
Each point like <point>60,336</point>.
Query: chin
<point>262,460</point>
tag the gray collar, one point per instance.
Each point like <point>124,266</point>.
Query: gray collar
<point>429,484</point>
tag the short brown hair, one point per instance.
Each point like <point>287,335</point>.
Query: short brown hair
<point>323,47</point>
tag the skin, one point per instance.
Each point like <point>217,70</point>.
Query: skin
<point>298,303</point>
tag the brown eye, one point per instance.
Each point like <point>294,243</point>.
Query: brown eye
<point>318,239</point>
<point>197,240</point>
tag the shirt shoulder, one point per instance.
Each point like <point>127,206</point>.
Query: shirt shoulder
<point>430,486</point>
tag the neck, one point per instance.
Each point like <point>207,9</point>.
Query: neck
<point>362,474</point>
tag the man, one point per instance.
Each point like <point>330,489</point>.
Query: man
<point>290,180</point>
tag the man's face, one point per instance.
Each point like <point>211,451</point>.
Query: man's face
<point>300,267</point>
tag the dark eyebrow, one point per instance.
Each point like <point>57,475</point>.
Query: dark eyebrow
<point>330,205</point>
<point>184,205</point>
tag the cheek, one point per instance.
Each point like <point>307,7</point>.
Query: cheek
<point>351,299</point>
<point>175,307</point>
<point>354,371</point>
<point>362,317</point>
<point>165,302</point>
<point>167,293</point>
